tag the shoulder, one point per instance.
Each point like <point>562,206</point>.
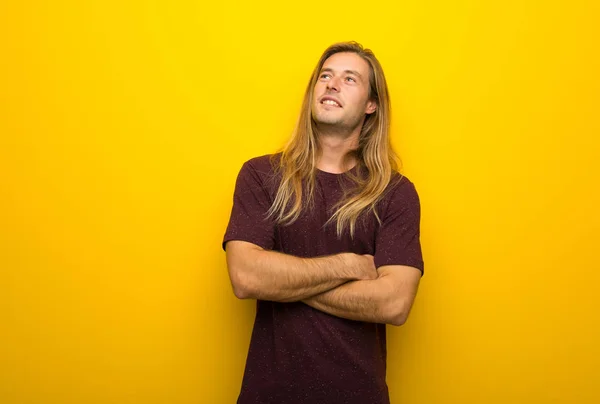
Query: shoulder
<point>261,171</point>
<point>400,194</point>
<point>400,185</point>
<point>263,165</point>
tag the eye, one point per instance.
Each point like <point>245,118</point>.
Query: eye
<point>324,75</point>
<point>351,78</point>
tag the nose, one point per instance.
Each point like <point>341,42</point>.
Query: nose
<point>333,84</point>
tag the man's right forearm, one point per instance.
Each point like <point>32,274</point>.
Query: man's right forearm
<point>269,275</point>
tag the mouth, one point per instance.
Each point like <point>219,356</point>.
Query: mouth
<point>327,100</point>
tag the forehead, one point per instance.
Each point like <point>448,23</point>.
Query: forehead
<point>342,61</point>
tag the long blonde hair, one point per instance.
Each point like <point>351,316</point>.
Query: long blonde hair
<point>376,161</point>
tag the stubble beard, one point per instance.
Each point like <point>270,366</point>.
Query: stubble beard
<point>333,124</point>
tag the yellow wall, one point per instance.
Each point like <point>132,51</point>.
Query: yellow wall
<point>123,125</point>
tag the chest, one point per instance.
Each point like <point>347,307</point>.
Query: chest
<point>312,235</point>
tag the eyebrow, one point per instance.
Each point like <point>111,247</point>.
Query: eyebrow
<point>328,69</point>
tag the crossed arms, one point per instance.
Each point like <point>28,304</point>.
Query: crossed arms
<point>345,285</point>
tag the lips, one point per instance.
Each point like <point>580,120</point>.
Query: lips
<point>329,100</point>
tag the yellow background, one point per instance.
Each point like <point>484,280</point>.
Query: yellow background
<point>123,126</point>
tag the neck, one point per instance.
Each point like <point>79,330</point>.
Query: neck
<point>336,151</point>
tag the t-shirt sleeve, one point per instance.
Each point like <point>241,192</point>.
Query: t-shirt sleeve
<point>248,221</point>
<point>398,238</point>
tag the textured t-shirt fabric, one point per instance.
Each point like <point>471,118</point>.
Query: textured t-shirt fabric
<point>299,354</point>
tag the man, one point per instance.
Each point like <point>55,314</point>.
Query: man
<point>325,236</point>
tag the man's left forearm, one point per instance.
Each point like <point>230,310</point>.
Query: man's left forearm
<point>387,299</point>
<point>365,300</point>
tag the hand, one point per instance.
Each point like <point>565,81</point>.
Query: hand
<point>365,267</point>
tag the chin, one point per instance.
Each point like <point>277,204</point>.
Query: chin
<point>326,117</point>
<point>328,121</point>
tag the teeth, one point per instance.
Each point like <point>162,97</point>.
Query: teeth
<point>331,102</point>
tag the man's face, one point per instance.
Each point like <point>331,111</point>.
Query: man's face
<point>341,95</point>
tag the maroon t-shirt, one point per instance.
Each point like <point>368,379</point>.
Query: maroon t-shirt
<point>299,354</point>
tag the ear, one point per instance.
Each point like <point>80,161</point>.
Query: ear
<point>371,107</point>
